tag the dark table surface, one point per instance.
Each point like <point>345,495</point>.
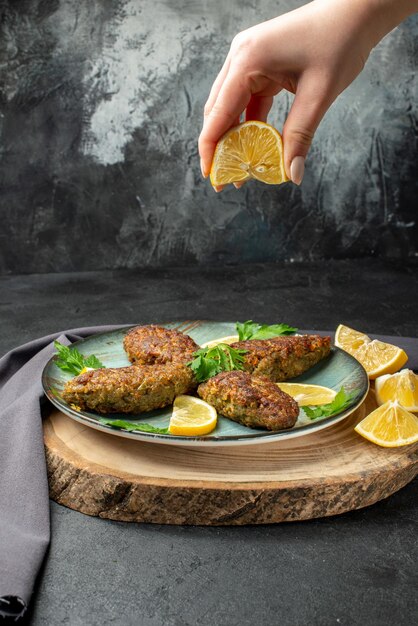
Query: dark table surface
<point>358,568</point>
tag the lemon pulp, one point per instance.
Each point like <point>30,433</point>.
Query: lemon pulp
<point>252,149</point>
<point>377,357</point>
<point>308,395</point>
<point>192,417</point>
<point>390,426</point>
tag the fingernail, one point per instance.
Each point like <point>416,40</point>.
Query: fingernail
<point>218,188</point>
<point>202,169</point>
<point>297,170</point>
<point>238,185</point>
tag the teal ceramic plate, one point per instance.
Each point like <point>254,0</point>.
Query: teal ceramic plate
<point>338,370</point>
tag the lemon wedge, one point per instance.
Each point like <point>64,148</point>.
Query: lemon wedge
<point>390,426</point>
<point>308,395</point>
<point>250,150</point>
<point>192,417</point>
<point>376,357</point>
<point>214,342</point>
<point>402,387</point>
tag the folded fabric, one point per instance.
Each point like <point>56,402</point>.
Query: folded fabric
<point>24,503</point>
<point>24,508</point>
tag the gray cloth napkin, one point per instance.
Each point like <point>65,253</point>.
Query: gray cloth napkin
<point>24,504</point>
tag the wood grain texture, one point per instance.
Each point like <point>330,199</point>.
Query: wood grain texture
<point>327,473</point>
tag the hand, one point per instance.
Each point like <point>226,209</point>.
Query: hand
<point>314,52</point>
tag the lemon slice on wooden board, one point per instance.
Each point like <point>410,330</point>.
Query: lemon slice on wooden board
<point>214,342</point>
<point>376,357</point>
<point>250,150</point>
<point>192,417</point>
<point>308,395</point>
<point>402,387</point>
<point>390,426</point>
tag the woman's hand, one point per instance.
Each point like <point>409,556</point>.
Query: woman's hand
<point>314,52</point>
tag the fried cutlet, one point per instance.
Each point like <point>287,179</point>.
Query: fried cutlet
<point>253,401</point>
<point>132,389</point>
<point>281,358</point>
<point>156,345</point>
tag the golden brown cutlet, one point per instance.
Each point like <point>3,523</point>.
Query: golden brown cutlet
<point>281,358</point>
<point>152,344</point>
<point>250,400</point>
<point>132,389</point>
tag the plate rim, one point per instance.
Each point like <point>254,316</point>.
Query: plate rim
<point>168,439</point>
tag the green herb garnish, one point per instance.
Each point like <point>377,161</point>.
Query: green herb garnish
<point>341,402</point>
<point>130,426</point>
<point>70,359</point>
<point>211,361</point>
<point>252,330</point>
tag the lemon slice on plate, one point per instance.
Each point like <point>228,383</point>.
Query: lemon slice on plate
<point>390,426</point>
<point>376,357</point>
<point>192,417</point>
<point>402,387</point>
<point>250,150</point>
<point>214,342</point>
<point>308,395</point>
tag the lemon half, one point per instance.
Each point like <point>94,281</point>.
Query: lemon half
<point>250,150</point>
<point>376,357</point>
<point>214,342</point>
<point>390,426</point>
<point>308,395</point>
<point>192,417</point>
<point>402,387</point>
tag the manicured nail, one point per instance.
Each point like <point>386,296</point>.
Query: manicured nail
<point>297,170</point>
<point>202,169</point>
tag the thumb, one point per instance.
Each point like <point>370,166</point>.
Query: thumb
<point>309,106</point>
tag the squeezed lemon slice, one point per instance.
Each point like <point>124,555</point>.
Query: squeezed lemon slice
<point>376,357</point>
<point>250,150</point>
<point>192,417</point>
<point>402,387</point>
<point>390,426</point>
<point>214,342</point>
<point>308,395</point>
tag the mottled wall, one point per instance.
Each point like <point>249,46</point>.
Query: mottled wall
<point>101,104</point>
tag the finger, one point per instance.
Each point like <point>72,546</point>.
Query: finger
<point>311,102</point>
<point>217,84</point>
<point>258,108</point>
<point>205,173</point>
<point>232,99</point>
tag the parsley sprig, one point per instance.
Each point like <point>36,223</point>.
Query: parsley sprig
<point>131,426</point>
<point>72,361</point>
<point>341,402</point>
<point>252,330</point>
<point>211,361</point>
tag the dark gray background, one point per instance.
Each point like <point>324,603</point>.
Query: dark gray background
<point>100,111</point>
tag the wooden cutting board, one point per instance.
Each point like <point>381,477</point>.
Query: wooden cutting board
<point>325,473</point>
